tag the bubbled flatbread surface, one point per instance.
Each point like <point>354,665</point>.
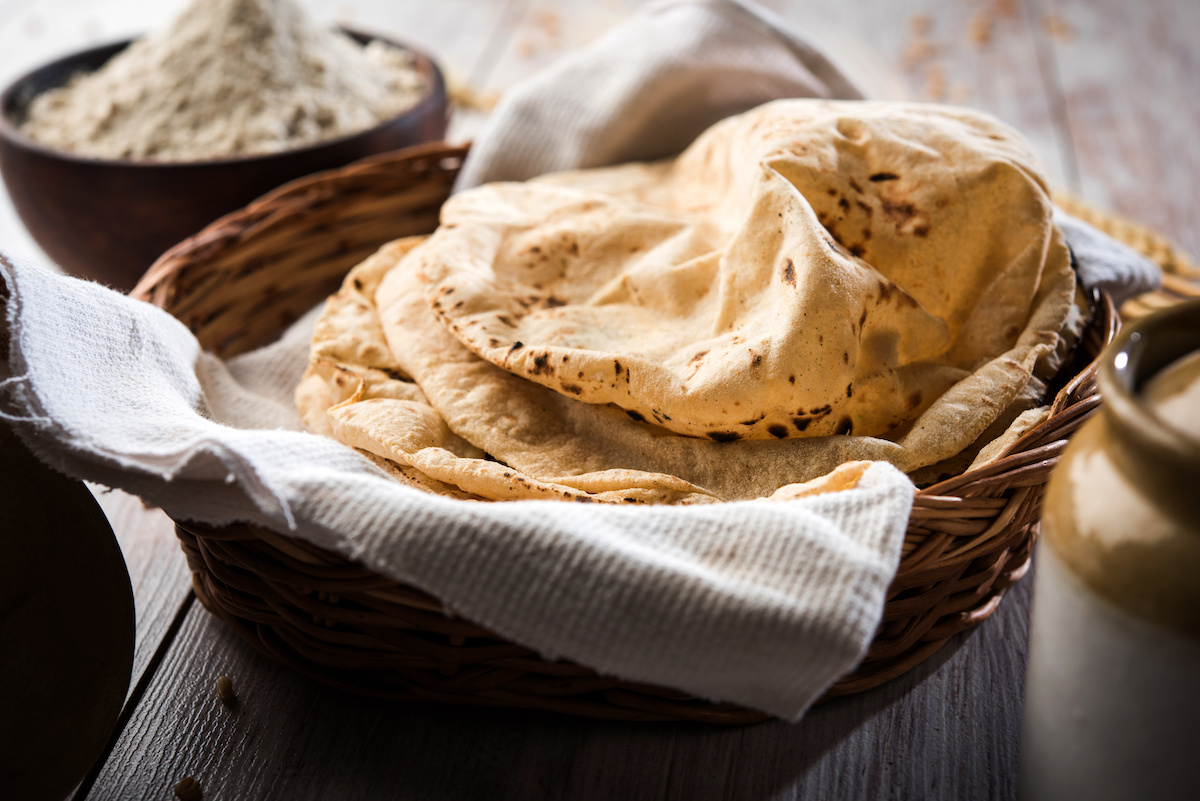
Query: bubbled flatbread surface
<point>391,375</point>
<point>807,268</point>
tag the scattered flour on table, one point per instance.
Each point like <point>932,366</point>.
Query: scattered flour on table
<point>226,78</point>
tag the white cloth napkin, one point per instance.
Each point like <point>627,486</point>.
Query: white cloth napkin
<point>759,603</point>
<point>762,604</point>
<point>647,88</point>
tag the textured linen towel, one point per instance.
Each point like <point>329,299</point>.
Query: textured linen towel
<point>647,88</point>
<point>759,603</point>
<point>763,604</point>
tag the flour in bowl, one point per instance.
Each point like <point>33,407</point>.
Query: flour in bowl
<point>227,78</point>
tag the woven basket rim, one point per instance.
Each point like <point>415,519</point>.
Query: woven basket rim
<point>970,535</point>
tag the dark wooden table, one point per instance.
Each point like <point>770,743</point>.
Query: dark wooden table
<point>1106,90</point>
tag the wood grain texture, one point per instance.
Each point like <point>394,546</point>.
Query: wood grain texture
<point>1128,74</point>
<point>529,35</point>
<point>472,85</point>
<point>976,53</point>
<point>946,731</point>
<point>545,30</point>
<point>456,33</point>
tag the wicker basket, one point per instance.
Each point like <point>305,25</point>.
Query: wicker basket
<point>242,280</point>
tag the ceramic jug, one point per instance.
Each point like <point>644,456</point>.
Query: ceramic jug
<point>1112,704</point>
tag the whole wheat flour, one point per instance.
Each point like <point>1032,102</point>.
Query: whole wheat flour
<point>226,78</point>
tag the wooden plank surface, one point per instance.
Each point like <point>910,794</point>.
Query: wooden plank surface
<point>1128,74</point>
<point>946,730</point>
<point>1070,74</point>
<point>976,53</point>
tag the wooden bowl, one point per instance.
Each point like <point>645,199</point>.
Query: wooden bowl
<point>108,220</point>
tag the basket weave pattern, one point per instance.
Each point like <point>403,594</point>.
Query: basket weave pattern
<point>242,280</point>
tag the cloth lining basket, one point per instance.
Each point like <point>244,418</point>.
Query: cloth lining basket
<point>240,282</point>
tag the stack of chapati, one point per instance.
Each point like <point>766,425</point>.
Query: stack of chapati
<point>810,284</point>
